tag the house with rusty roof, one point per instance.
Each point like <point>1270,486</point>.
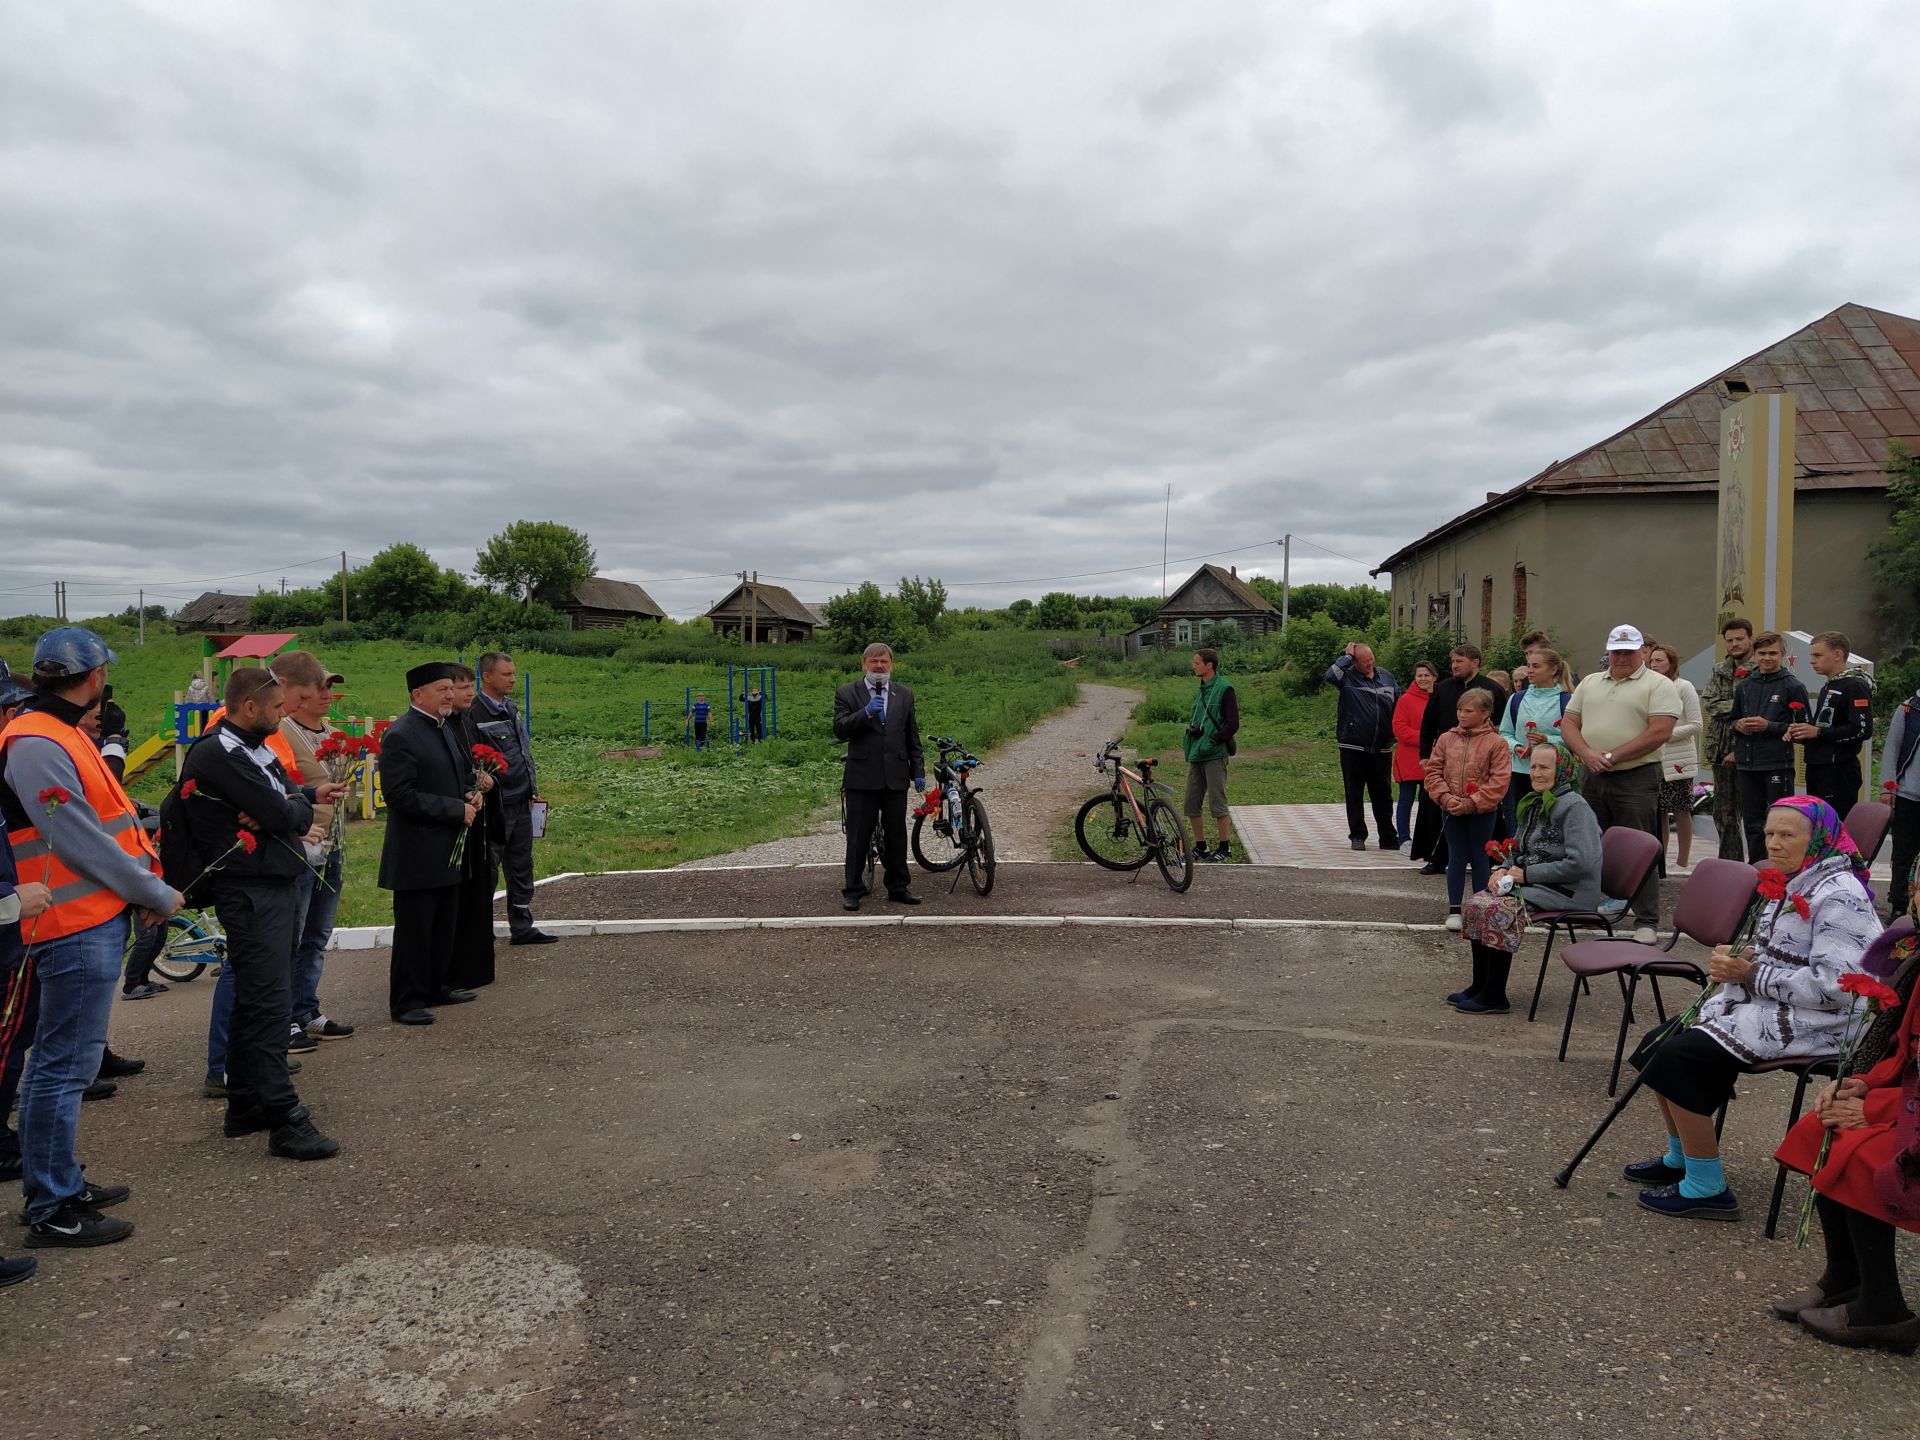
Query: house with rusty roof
<point>1209,596</point>
<point>770,611</point>
<point>1626,529</point>
<point>214,611</point>
<point>603,604</point>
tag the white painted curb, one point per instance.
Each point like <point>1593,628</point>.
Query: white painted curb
<point>377,937</point>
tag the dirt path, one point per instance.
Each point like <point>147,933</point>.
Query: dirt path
<point>1032,784</point>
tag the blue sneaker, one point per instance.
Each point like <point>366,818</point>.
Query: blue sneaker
<point>1654,1172</point>
<point>1200,852</point>
<point>1613,909</point>
<point>1667,1200</point>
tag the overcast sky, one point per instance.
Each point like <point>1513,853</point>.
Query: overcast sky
<point>849,290</point>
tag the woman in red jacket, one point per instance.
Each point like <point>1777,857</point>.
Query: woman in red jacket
<point>1869,1184</point>
<point>1408,711</point>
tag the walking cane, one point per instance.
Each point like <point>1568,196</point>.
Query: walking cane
<point>1594,1139</point>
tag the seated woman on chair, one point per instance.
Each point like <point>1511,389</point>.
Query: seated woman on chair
<point>1556,866</point>
<point>1869,1184</point>
<point>1778,999</point>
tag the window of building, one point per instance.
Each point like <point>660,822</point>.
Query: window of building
<point>1520,598</point>
<point>1486,609</point>
<point>1439,609</point>
<point>1182,631</point>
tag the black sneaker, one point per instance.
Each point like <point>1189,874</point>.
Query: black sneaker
<point>10,1166</point>
<point>113,1067</point>
<point>1222,855</point>
<point>99,1090</point>
<point>533,937</point>
<point>144,992</point>
<point>321,1028</point>
<point>298,1140</point>
<point>74,1226</point>
<point>91,1197</point>
<point>12,1272</point>
<point>299,1042</point>
<point>214,1087</point>
<point>1202,853</point>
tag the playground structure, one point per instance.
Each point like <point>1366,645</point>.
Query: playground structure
<point>765,678</point>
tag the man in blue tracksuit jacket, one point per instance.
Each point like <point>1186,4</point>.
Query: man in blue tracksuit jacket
<point>1363,729</point>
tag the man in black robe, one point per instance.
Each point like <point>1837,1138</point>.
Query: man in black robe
<point>479,868</point>
<point>431,802</point>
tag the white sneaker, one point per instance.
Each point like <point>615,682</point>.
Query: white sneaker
<point>1644,935</point>
<point>1453,922</point>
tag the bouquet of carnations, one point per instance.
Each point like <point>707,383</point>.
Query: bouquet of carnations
<point>342,754</point>
<point>487,761</point>
<point>1878,997</point>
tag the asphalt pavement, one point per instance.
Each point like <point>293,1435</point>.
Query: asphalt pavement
<point>945,1181</point>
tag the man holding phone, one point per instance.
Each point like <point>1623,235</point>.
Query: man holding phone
<point>876,718</point>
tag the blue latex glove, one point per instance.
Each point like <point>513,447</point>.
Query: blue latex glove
<point>876,706</point>
<point>920,783</point>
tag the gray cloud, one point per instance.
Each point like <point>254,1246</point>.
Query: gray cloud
<point>853,290</point>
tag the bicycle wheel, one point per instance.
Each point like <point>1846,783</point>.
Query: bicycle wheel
<point>979,847</point>
<point>934,851</point>
<point>1170,848</point>
<point>1109,833</point>
<point>188,950</point>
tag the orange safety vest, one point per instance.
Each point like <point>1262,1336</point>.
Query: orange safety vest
<point>282,749</point>
<point>78,903</point>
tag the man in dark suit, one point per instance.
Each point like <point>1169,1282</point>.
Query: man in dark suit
<point>427,783</point>
<point>876,719</point>
<point>473,956</point>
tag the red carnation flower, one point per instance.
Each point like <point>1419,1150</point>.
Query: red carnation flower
<point>55,795</point>
<point>1877,993</point>
<point>1773,885</point>
<point>1741,674</point>
<point>246,841</point>
<point>187,787</point>
<point>1802,908</point>
<point>1471,789</point>
<point>1795,705</point>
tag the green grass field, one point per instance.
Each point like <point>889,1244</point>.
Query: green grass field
<point>617,814</point>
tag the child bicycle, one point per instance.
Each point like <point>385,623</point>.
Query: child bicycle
<point>1123,831</point>
<point>194,942</point>
<point>950,828</point>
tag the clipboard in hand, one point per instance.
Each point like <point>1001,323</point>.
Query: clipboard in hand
<point>537,813</point>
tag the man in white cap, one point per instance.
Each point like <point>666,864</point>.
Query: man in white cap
<point>1615,725</point>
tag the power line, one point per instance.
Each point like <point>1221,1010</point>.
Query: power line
<point>1330,550</point>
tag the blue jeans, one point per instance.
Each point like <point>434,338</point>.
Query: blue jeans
<point>319,903</point>
<point>1403,810</point>
<point>77,976</point>
<point>1467,837</point>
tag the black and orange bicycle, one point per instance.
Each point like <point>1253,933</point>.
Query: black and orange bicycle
<point>1124,828</point>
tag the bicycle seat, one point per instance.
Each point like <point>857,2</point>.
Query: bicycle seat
<point>1147,762</point>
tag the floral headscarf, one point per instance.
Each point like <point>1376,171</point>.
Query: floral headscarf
<point>1565,771</point>
<point>1830,837</point>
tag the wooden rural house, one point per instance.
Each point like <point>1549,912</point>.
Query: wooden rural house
<point>1210,596</point>
<point>771,611</point>
<point>214,611</point>
<point>603,604</point>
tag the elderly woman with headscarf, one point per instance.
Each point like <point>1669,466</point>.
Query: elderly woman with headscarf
<point>1868,1185</point>
<point>1776,999</point>
<point>1555,866</point>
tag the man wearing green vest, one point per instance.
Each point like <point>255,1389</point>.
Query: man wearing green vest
<point>1210,731</point>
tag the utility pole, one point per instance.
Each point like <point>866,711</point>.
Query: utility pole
<point>143,617</point>
<point>754,598</point>
<point>1286,578</point>
<point>343,587</point>
<point>1166,524</point>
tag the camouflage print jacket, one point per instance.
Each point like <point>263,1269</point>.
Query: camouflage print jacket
<point>1716,702</point>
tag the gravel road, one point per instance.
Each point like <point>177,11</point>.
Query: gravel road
<point>1032,785</point>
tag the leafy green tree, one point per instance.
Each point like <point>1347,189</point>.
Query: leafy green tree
<point>403,581</point>
<point>1057,610</point>
<point>1354,606</point>
<point>858,618</point>
<point>536,559</point>
<point>1897,563</point>
<point>926,598</point>
<point>1020,609</point>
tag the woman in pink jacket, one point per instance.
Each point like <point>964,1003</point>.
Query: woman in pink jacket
<point>1408,711</point>
<point>1467,775</point>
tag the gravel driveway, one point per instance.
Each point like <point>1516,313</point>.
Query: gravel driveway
<point>1032,784</point>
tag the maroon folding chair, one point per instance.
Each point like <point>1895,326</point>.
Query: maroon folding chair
<point>1626,855</point>
<point>1873,1045</point>
<point>1709,911</point>
<point>1868,822</point>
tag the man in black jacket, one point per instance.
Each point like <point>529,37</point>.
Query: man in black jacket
<point>1841,722</point>
<point>875,717</point>
<point>1764,705</point>
<point>502,726</point>
<point>473,957</point>
<point>1442,714</point>
<point>1363,731</point>
<point>430,803</point>
<point>246,817</point>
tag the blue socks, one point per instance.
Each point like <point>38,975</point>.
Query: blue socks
<point>1705,1179</point>
<point>1676,1157</point>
